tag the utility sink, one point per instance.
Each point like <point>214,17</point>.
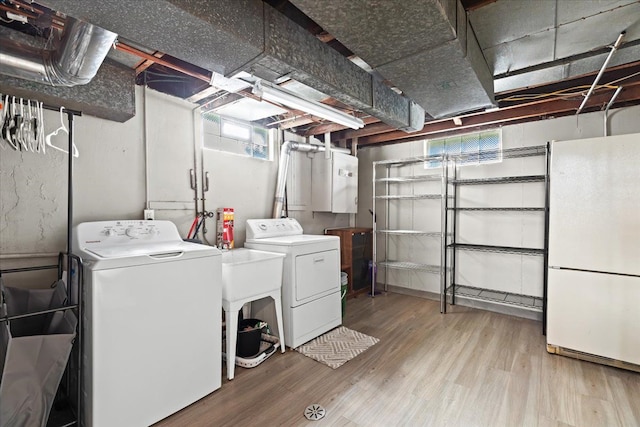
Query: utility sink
<point>248,273</point>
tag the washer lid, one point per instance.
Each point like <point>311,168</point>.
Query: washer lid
<point>155,250</point>
<point>300,239</point>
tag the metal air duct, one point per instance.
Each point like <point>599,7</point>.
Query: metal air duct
<point>424,47</point>
<point>251,36</point>
<point>75,62</point>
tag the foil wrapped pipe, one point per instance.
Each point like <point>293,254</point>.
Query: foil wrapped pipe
<point>74,62</point>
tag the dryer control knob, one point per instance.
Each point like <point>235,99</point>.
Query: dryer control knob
<point>110,232</point>
<point>132,232</point>
<point>153,231</point>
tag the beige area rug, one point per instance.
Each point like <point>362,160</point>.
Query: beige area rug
<point>337,347</point>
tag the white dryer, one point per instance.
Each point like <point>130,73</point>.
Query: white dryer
<point>152,327</point>
<point>311,302</point>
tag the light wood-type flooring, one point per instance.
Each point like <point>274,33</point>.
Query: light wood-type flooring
<point>466,368</point>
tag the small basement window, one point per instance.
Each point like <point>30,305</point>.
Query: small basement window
<point>236,137</point>
<point>471,149</point>
<point>236,130</point>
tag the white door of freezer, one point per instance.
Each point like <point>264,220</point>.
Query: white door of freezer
<point>595,204</point>
<point>594,313</point>
<point>316,274</point>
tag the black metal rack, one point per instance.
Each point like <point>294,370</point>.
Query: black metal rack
<point>454,289</point>
<point>501,180</point>
<point>72,261</point>
<point>505,209</point>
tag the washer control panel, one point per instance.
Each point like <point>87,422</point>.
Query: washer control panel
<point>125,232</point>
<point>272,227</point>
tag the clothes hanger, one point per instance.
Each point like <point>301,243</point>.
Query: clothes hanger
<point>40,137</point>
<point>2,119</point>
<point>28,129</point>
<point>62,128</point>
<point>19,126</point>
<point>9,123</point>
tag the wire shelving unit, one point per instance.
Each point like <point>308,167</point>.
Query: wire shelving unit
<point>454,289</point>
<point>394,178</point>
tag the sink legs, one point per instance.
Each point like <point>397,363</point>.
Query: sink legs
<point>231,309</point>
<point>231,318</point>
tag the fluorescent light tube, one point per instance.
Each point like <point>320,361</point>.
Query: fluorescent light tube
<point>290,99</point>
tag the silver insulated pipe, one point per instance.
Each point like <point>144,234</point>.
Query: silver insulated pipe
<point>75,62</point>
<point>283,166</point>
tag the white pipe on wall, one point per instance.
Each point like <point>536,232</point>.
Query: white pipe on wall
<point>606,110</point>
<point>615,47</point>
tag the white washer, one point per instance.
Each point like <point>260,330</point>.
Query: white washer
<point>152,326</point>
<point>311,302</point>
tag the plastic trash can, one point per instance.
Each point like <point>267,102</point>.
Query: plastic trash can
<point>249,336</point>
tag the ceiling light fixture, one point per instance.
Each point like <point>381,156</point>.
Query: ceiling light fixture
<point>276,94</point>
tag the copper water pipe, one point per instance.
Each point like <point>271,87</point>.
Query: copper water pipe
<point>137,52</point>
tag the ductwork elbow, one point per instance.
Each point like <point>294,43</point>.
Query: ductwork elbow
<point>75,62</point>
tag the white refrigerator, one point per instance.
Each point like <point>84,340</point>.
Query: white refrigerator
<point>593,294</point>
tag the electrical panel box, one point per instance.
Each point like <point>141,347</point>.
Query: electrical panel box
<point>334,183</point>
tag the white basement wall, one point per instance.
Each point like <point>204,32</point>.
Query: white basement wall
<point>110,183</point>
<point>511,273</point>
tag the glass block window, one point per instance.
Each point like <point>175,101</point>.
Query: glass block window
<point>236,137</point>
<point>470,149</point>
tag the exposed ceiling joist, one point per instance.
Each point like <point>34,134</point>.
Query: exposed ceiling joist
<point>509,115</point>
<point>146,63</point>
<point>570,90</point>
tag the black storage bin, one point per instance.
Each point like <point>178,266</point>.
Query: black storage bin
<point>248,344</point>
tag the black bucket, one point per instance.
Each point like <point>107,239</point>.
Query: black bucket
<point>248,344</point>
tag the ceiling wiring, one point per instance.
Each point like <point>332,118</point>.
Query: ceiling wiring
<point>624,78</point>
<point>572,91</point>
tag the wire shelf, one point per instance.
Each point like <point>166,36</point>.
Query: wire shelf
<point>531,302</point>
<point>505,209</point>
<point>415,178</point>
<point>409,160</point>
<point>509,153</point>
<point>409,196</point>
<point>501,180</point>
<point>411,233</point>
<point>405,265</point>
<point>497,249</point>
